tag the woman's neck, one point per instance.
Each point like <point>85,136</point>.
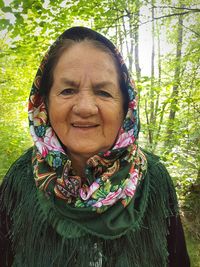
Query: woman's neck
<point>78,164</point>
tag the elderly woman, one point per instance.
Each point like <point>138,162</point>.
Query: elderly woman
<point>86,194</point>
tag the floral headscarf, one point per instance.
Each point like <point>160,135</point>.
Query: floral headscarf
<point>112,177</point>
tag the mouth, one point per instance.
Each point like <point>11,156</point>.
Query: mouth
<point>84,125</point>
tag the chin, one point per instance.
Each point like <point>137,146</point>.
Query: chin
<point>87,152</point>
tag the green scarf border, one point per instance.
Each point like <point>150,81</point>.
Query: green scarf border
<point>145,240</point>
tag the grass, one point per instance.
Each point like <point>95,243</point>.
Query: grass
<point>191,223</point>
<point>193,246</point>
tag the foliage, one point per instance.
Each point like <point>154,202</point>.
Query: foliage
<point>193,247</point>
<point>13,105</point>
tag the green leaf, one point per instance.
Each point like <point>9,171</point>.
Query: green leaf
<point>1,4</point>
<point>6,9</point>
<point>4,23</point>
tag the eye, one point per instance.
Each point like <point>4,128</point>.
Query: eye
<point>103,93</point>
<point>68,91</point>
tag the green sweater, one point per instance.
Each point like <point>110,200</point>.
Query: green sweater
<point>34,234</point>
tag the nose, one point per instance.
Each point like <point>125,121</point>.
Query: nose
<point>85,104</point>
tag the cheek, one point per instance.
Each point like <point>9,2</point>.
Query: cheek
<point>57,118</point>
<point>57,110</point>
<point>113,120</point>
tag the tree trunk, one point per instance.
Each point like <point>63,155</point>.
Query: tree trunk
<point>152,117</point>
<point>159,78</point>
<point>175,90</point>
<point>158,128</point>
<point>125,35</point>
<point>120,39</point>
<point>130,56</point>
<point>136,41</point>
<point>136,38</point>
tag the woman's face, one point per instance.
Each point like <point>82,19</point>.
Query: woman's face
<point>85,100</point>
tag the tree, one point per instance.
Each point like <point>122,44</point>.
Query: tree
<point>176,82</point>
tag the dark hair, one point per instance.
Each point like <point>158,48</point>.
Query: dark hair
<point>66,41</point>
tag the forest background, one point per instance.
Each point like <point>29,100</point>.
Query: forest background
<point>160,42</point>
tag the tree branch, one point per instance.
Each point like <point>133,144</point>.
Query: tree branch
<point>198,34</point>
<point>173,14</point>
<point>180,8</point>
<point>148,21</point>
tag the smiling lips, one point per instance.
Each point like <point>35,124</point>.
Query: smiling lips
<point>84,125</point>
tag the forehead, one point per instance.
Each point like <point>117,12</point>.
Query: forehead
<point>85,57</point>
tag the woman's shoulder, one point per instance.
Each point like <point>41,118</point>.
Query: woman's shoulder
<point>157,172</point>
<point>20,168</point>
<point>24,158</point>
<point>18,178</point>
<point>23,161</point>
<point>159,178</point>
<point>154,163</point>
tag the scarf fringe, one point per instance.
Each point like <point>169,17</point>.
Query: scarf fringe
<point>36,242</point>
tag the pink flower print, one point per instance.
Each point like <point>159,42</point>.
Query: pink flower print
<point>33,134</point>
<point>44,151</point>
<point>51,141</point>
<point>130,188</point>
<point>38,142</point>
<point>107,153</point>
<point>125,139</point>
<point>111,198</point>
<point>129,192</point>
<point>132,105</point>
<point>134,175</point>
<point>85,193</point>
<point>121,131</point>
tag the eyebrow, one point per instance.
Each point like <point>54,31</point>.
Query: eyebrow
<point>97,86</point>
<point>69,82</point>
<point>103,85</point>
